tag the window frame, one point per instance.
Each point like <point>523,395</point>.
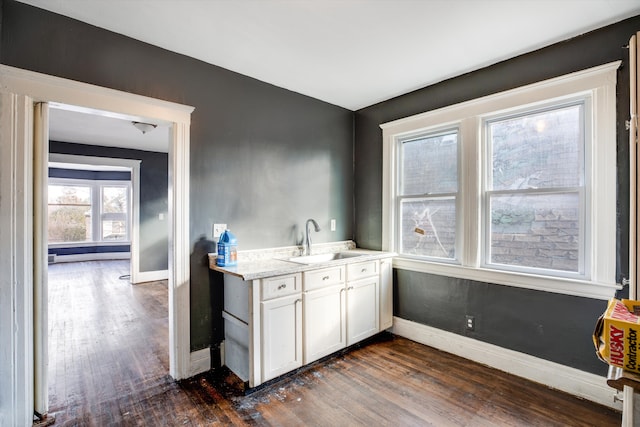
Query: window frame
<point>116,216</point>
<point>434,196</point>
<point>598,85</point>
<point>97,214</point>
<point>583,190</point>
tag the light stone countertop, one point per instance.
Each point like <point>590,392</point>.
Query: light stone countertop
<point>258,264</point>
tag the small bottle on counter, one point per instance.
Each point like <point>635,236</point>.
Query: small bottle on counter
<point>227,250</point>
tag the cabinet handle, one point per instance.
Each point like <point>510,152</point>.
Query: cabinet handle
<point>349,288</point>
<point>325,278</point>
<point>284,285</point>
<point>363,270</point>
<point>298,300</point>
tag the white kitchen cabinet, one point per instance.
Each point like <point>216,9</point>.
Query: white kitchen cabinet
<point>281,321</point>
<point>363,300</point>
<point>316,279</point>
<point>360,270</point>
<point>276,324</point>
<point>324,312</point>
<point>338,313</point>
<point>281,326</point>
<point>324,322</point>
<point>362,309</point>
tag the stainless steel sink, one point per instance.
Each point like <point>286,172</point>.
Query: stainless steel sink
<point>315,259</point>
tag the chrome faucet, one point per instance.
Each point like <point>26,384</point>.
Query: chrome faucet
<point>308,237</point>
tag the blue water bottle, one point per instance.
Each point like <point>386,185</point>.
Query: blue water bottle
<point>227,250</point>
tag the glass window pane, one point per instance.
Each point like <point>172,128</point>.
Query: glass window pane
<point>69,195</point>
<point>429,165</point>
<point>114,199</point>
<point>536,230</point>
<point>428,227</point>
<point>69,214</point>
<point>539,150</point>
<point>114,230</point>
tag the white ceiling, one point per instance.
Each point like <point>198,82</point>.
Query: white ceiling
<point>99,128</point>
<point>351,53</point>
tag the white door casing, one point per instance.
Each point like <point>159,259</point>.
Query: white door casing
<point>631,406</point>
<point>20,90</point>
<point>16,251</point>
<point>40,250</point>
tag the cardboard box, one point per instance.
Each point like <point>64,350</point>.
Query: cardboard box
<point>617,335</point>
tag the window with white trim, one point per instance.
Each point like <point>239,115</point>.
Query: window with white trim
<point>516,188</point>
<point>428,194</point>
<point>88,211</point>
<point>534,193</point>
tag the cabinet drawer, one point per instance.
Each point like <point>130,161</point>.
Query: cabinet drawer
<point>362,269</point>
<point>280,286</point>
<point>319,278</point>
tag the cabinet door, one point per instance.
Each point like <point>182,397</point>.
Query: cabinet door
<point>324,322</point>
<point>362,309</point>
<point>386,294</point>
<point>281,335</point>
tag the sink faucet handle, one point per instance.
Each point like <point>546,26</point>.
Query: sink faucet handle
<point>308,232</point>
<point>315,224</point>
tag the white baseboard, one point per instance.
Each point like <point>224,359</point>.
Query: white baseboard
<point>199,361</point>
<point>560,377</point>
<point>92,257</point>
<point>151,276</point>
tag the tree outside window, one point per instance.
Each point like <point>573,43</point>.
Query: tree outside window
<point>69,214</point>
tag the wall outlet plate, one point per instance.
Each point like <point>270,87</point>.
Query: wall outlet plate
<point>333,225</point>
<point>471,323</point>
<point>218,229</point>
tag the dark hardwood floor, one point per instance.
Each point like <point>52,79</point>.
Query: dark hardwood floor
<point>109,367</point>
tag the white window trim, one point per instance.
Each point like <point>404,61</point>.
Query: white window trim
<point>97,215</point>
<point>584,190</point>
<point>598,83</point>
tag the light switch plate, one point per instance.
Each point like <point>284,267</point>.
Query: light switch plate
<point>333,225</point>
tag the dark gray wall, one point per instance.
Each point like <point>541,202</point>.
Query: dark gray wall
<point>154,188</point>
<point>551,326</point>
<point>263,159</point>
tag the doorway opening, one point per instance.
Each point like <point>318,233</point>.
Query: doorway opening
<point>92,151</point>
<point>22,92</point>
<point>108,343</point>
<point>106,316</point>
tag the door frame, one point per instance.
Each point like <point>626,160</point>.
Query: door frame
<point>21,90</point>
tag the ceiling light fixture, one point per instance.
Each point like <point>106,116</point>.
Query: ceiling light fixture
<point>144,127</point>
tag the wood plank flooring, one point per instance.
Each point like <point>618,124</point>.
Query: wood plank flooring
<point>109,367</point>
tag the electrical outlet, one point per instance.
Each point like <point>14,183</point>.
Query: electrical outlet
<point>218,229</point>
<point>333,225</point>
<point>471,323</point>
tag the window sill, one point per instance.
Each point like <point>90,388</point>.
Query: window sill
<point>89,244</point>
<point>580,288</point>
